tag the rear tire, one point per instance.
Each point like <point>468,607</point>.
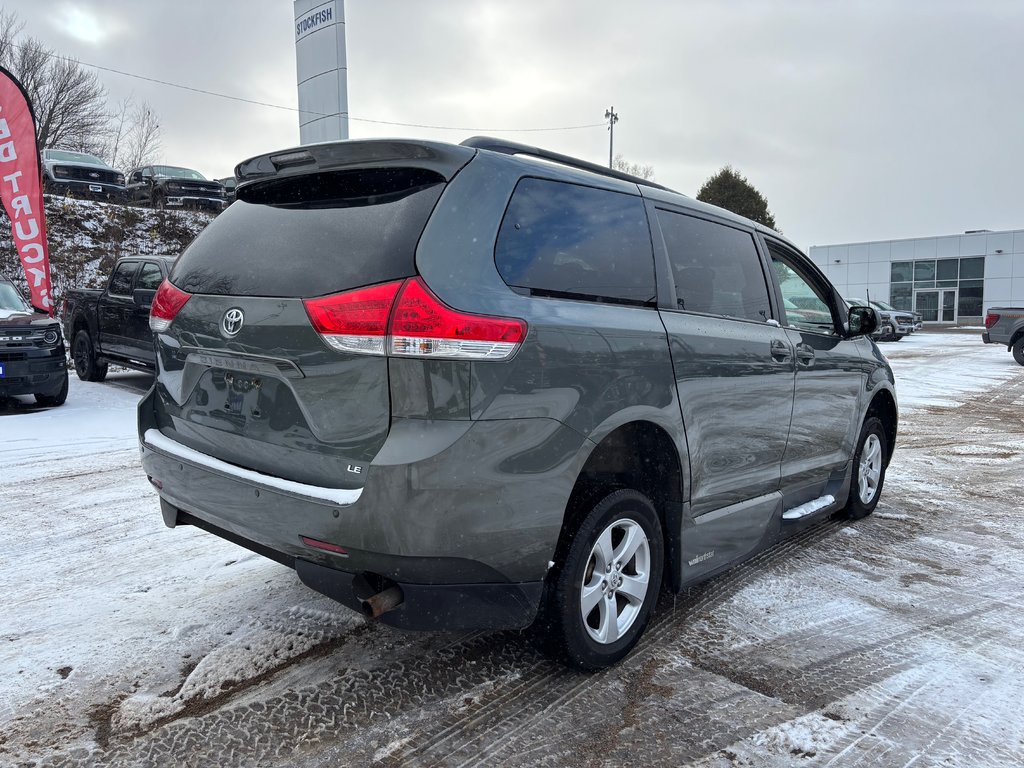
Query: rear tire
<point>868,470</point>
<point>1018,350</point>
<point>87,365</point>
<point>52,401</point>
<point>598,601</point>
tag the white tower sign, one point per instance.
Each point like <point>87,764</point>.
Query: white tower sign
<point>322,72</point>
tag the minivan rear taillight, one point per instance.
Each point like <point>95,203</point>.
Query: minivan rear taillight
<point>355,321</point>
<point>167,303</point>
<point>991,320</point>
<point>405,319</point>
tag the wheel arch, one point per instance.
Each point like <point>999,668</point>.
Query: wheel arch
<point>883,406</point>
<point>640,455</point>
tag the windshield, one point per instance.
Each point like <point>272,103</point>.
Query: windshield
<point>11,300</point>
<point>883,305</point>
<point>175,172</point>
<point>73,157</point>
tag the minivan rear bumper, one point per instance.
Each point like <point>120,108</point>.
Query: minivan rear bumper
<point>469,549</point>
<point>446,607</point>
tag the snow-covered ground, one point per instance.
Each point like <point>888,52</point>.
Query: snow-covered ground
<point>125,643</point>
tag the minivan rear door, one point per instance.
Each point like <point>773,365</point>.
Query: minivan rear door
<point>734,371</point>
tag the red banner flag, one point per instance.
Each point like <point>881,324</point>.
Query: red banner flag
<point>22,190</point>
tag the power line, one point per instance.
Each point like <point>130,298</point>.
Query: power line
<point>310,112</point>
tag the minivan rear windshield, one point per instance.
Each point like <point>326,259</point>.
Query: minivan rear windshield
<point>313,235</point>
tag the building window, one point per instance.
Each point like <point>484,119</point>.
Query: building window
<point>902,272</point>
<point>972,269</point>
<point>970,295</point>
<point>924,271</point>
<point>915,285</point>
<point>946,269</point>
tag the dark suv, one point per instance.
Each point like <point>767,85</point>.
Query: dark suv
<point>457,387</point>
<point>32,356</point>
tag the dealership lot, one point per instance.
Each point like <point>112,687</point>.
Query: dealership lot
<point>889,641</point>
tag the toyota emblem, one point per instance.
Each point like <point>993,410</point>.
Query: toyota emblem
<point>232,322</point>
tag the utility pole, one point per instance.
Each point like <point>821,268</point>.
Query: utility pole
<point>612,118</point>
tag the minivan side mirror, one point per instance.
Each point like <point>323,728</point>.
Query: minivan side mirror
<point>862,321</point>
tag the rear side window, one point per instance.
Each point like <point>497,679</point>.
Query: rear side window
<point>121,280</point>
<point>149,277</point>
<point>716,268</point>
<point>313,235</point>
<point>561,239</point>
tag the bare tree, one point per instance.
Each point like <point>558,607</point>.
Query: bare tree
<point>69,101</point>
<point>633,169</point>
<point>133,135</point>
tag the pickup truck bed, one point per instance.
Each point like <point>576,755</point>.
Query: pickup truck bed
<point>1005,325</point>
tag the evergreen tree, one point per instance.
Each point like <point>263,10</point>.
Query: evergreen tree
<point>730,189</point>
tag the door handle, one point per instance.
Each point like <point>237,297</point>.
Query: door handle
<point>781,352</point>
<point>805,354</point>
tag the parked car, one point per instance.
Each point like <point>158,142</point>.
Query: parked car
<point>1005,325</point>
<point>111,324</point>
<point>228,182</point>
<point>81,175</point>
<point>893,324</point>
<point>170,186</point>
<point>489,386</point>
<point>33,360</point>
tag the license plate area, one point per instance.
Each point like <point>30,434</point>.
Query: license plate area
<point>95,188</point>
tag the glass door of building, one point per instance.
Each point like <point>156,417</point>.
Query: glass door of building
<point>936,305</point>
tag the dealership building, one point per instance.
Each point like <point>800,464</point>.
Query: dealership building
<point>947,279</point>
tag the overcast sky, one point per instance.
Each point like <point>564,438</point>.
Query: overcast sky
<point>857,120</point>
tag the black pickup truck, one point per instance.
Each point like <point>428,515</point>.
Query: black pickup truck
<point>111,325</point>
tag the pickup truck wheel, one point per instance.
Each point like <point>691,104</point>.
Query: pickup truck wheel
<point>51,401</point>
<point>868,470</point>
<point>87,366</point>
<point>598,601</point>
<point>1018,350</point>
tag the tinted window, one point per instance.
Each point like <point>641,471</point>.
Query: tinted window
<point>803,299</point>
<point>716,268</point>
<point>972,268</point>
<point>121,280</point>
<point>561,238</point>
<point>313,235</point>
<point>150,277</point>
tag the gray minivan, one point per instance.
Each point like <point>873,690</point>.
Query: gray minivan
<point>490,386</point>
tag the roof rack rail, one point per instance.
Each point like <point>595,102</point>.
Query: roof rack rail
<point>513,148</point>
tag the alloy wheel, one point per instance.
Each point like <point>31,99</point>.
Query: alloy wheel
<point>615,581</point>
<point>870,469</point>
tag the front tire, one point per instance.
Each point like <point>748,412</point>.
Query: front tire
<point>598,601</point>
<point>868,470</point>
<point>87,366</point>
<point>51,401</point>
<point>1018,350</point>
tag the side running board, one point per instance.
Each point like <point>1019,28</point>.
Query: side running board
<point>808,508</point>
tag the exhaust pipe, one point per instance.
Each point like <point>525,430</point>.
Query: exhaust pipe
<point>382,602</point>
